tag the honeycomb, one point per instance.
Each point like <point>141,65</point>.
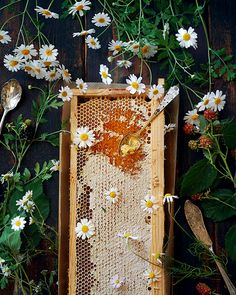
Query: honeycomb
<point>105,254</point>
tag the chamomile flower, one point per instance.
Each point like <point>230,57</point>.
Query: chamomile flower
<point>2,261</point>
<point>4,37</point>
<point>169,198</point>
<point>149,204</point>
<point>156,91</point>
<point>124,63</point>
<point>12,63</point>
<point>127,236</point>
<point>52,75</point>
<point>84,137</point>
<point>29,207</point>
<point>157,256</point>
<point>135,84</point>
<point>85,229</point>
<point>112,195</point>
<point>217,102</point>
<point>46,12</point>
<point>106,77</point>
<point>115,46</point>
<point>187,38</point>
<point>166,30</point>
<point>101,19</point>
<point>80,7</point>
<point>48,52</point>
<point>6,177</point>
<point>18,223</point>
<point>117,281</point>
<point>84,33</point>
<point>134,46</point>
<point>28,195</point>
<point>192,117</point>
<point>38,71</point>
<point>31,220</point>
<point>152,275</point>
<point>65,93</point>
<point>48,64</point>
<point>81,85</point>
<point>92,42</point>
<point>27,68</point>
<point>204,103</point>
<point>66,75</point>
<point>170,127</point>
<point>148,50</point>
<point>55,165</point>
<point>6,271</point>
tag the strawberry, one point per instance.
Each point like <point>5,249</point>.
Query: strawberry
<point>203,289</point>
<point>188,128</point>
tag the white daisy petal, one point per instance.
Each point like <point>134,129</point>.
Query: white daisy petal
<point>106,77</point>
<point>18,223</point>
<point>192,117</point>
<point>117,281</point>
<point>46,12</point>
<point>80,7</point>
<point>84,137</point>
<point>101,19</point>
<point>112,195</point>
<point>65,93</point>
<point>135,84</point>
<point>4,37</point>
<point>149,204</point>
<point>217,102</point>
<point>81,85</point>
<point>152,275</point>
<point>92,42</point>
<point>48,52</point>
<point>85,229</point>
<point>156,91</point>
<point>187,38</point>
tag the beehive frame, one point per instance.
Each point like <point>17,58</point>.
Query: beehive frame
<point>157,179</point>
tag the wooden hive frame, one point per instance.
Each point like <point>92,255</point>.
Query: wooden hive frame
<point>158,218</point>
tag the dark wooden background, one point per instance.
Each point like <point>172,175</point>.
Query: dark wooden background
<point>221,21</point>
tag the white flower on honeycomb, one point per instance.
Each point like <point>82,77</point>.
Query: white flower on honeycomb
<point>135,84</point>
<point>106,77</point>
<point>149,203</point>
<point>127,235</point>
<point>156,91</point>
<point>117,281</point>
<point>85,229</point>
<point>80,7</point>
<point>168,198</point>
<point>112,195</point>
<point>101,19</point>
<point>84,137</point>
<point>81,85</point>
<point>18,223</point>
<point>152,275</point>
<point>187,38</point>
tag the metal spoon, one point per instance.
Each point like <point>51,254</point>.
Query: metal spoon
<point>195,220</point>
<point>131,141</point>
<point>10,96</point>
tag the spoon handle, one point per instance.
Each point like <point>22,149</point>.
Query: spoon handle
<point>2,120</point>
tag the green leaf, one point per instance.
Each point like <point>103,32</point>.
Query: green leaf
<point>229,134</point>
<point>37,168</point>
<point>42,210</point>
<point>230,242</point>
<point>26,174</point>
<point>220,205</point>
<point>11,239</point>
<point>198,178</point>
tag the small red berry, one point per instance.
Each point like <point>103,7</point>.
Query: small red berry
<point>203,289</point>
<point>210,115</point>
<point>205,142</point>
<point>188,128</point>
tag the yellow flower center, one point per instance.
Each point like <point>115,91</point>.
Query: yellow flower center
<point>18,223</point>
<point>81,86</point>
<point>127,235</point>
<point>101,20</point>
<point>117,47</point>
<point>117,282</point>
<point>151,275</point>
<point>64,93</point>
<point>79,7</point>
<point>47,63</point>
<point>167,195</point>
<point>37,70</point>
<point>85,228</point>
<point>135,46</point>
<point>1,37</point>
<point>104,75</point>
<point>155,92</point>
<point>149,204</point>
<point>92,41</point>
<point>46,12</point>
<point>28,68</point>
<point>112,195</point>
<point>194,117</point>
<point>217,100</point>
<point>66,73</point>
<point>206,101</point>
<point>13,63</point>
<point>186,37</point>
<point>53,75</point>
<point>145,49</point>
<point>25,51</point>
<point>157,255</point>
<point>84,136</point>
<point>135,85</point>
<point>84,33</point>
<point>48,52</point>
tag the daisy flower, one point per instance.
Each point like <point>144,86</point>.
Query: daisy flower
<point>170,127</point>
<point>217,102</point>
<point>2,261</point>
<point>156,91</point>
<point>192,117</point>
<point>115,47</point>
<point>46,12</point>
<point>117,281</point>
<point>6,177</point>
<point>149,203</point>
<point>48,64</point>
<point>106,77</point>
<point>135,84</point>
<point>124,63</point>
<point>80,7</point>
<point>166,30</point>
<point>157,256</point>
<point>55,165</point>
<point>134,47</point>
<point>204,103</point>
<point>38,71</point>
<point>29,207</point>
<point>81,85</point>
<point>12,63</point>
<point>112,195</point>
<point>169,198</point>
<point>148,50</point>
<point>187,38</point>
<point>84,33</point>
<point>101,19</point>
<point>92,42</point>
<point>85,229</point>
<point>6,271</point>
<point>65,93</point>
<point>152,275</point>
<point>4,37</point>
<point>48,52</point>
<point>52,75</point>
<point>18,223</point>
<point>84,137</point>
<point>31,220</point>
<point>127,236</point>
<point>66,75</point>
